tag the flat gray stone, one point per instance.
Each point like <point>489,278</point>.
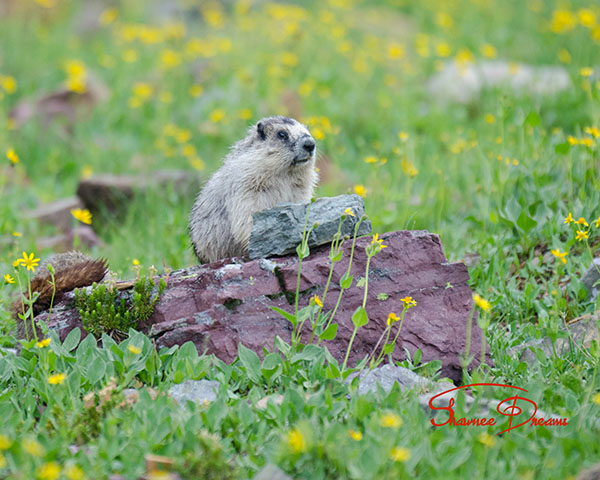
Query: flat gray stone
<point>278,231</point>
<point>198,391</point>
<point>591,276</point>
<point>272,472</point>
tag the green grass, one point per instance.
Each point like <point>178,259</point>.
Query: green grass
<point>333,60</point>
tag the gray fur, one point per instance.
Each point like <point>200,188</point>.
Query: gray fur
<point>256,174</point>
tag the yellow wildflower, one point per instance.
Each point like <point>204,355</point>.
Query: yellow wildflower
<point>356,436</point>
<point>245,114</point>
<point>12,156</point>
<point>9,279</point>
<point>378,241</point>
<point>482,303</point>
<point>5,442</point>
<point>597,223</point>
<point>569,218</point>
<point>142,90</point>
<point>489,118</point>
<point>593,131</point>
<point>360,190</point>
<point>296,441</point>
<point>400,454</point>
<point>561,256</point>
<point>581,221</point>
<point>74,472</point>
<point>586,72</point>
<point>581,235</point>
<point>443,50</point>
<point>486,439</point>
<point>46,3</point>
<point>133,349</point>
<point>17,234</point>
<point>564,56</point>
<point>135,262</point>
<point>563,21</point>
<point>349,211</point>
<point>317,301</point>
<point>83,215</point>
<point>43,343</point>
<point>489,51</point>
<point>48,471</point>
<point>56,379</point>
<point>169,58</point>
<point>391,420</point>
<point>32,447</point>
<point>196,90</point>
<point>395,51</point>
<point>392,318</point>
<point>217,115</point>
<point>409,302</point>
<point>130,55</point>
<point>596,398</point>
<point>289,59</point>
<point>403,136</point>
<point>371,159</point>
<point>108,16</point>
<point>8,83</point>
<point>27,261</point>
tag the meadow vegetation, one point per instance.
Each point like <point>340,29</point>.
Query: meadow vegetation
<point>509,179</point>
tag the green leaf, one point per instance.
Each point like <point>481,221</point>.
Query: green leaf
<point>562,148</point>
<point>533,119</point>
<point>330,332</point>
<point>346,281</point>
<point>302,251</point>
<point>96,370</point>
<point>359,317</point>
<point>417,357</point>
<point>72,339</point>
<point>251,363</point>
<point>525,222</point>
<point>289,316</point>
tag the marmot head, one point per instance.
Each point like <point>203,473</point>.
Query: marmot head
<point>287,142</point>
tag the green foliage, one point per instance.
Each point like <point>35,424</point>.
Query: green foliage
<point>107,310</point>
<point>495,178</point>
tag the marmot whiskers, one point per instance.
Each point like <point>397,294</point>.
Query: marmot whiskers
<point>274,164</point>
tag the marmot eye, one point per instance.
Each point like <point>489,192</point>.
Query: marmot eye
<point>282,134</point>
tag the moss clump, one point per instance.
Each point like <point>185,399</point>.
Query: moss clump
<point>107,310</point>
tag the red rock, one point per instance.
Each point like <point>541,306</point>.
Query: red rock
<point>218,305</point>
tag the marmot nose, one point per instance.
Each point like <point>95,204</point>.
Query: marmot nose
<point>309,145</point>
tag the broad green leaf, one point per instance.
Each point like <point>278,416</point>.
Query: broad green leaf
<point>289,316</point>
<point>250,361</point>
<point>330,332</point>
<point>346,281</point>
<point>72,339</point>
<point>359,317</point>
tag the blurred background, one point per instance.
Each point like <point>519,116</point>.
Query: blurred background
<point>475,119</point>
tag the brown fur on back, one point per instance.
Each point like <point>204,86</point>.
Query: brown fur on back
<point>71,270</point>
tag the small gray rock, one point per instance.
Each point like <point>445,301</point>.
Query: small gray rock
<point>591,276</point>
<point>278,231</point>
<point>198,391</point>
<point>386,376</point>
<point>272,472</point>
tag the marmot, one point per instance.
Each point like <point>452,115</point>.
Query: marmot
<point>274,164</point>
<point>71,270</point>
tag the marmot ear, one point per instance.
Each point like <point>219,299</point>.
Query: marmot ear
<point>260,128</point>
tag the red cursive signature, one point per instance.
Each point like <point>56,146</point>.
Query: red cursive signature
<point>507,407</point>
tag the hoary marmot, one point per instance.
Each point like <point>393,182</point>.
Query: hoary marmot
<point>274,164</point>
